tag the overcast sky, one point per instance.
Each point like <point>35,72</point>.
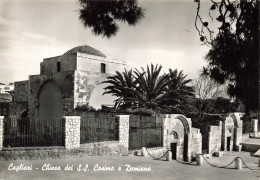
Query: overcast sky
<point>31,30</point>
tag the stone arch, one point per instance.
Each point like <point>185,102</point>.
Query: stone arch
<point>50,103</point>
<point>85,83</point>
<point>184,122</point>
<point>173,136</point>
<point>235,120</point>
<point>97,98</point>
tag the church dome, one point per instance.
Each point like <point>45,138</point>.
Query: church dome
<point>85,49</point>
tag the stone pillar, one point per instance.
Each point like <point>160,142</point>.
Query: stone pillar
<point>199,160</point>
<point>1,132</point>
<point>189,143</point>
<point>209,140</point>
<point>143,152</point>
<point>123,121</point>
<point>238,163</point>
<point>169,156</point>
<point>72,131</point>
<point>254,125</point>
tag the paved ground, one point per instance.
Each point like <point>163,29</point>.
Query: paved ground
<point>252,141</point>
<point>159,169</point>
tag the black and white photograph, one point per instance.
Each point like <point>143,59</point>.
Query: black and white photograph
<point>129,89</point>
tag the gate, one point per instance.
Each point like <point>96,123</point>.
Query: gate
<point>145,137</point>
<point>25,132</point>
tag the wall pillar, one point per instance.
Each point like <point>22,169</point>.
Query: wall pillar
<point>209,141</point>
<point>72,131</point>
<point>189,139</point>
<point>1,132</point>
<point>254,125</point>
<point>123,121</point>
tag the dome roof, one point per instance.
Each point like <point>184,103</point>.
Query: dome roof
<point>85,49</point>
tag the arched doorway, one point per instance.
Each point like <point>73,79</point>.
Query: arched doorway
<point>173,138</point>
<point>50,101</point>
<point>24,122</point>
<point>48,127</point>
<point>178,129</point>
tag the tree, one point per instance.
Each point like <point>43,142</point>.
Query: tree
<point>234,53</point>
<point>101,16</point>
<point>153,89</point>
<point>150,89</point>
<point>181,91</point>
<point>209,95</point>
<point>122,86</point>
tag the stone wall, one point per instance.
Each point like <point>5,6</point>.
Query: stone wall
<point>87,62</point>
<point>250,126</point>
<point>72,132</point>
<point>145,131</point>
<point>21,91</point>
<point>84,84</point>
<point>67,63</point>
<point>214,138</point>
<point>20,102</point>
<point>93,149</point>
<point>196,142</point>
<point>65,81</point>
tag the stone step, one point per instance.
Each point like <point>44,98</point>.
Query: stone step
<point>257,153</point>
<point>251,145</point>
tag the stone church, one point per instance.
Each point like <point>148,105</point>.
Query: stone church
<point>64,82</point>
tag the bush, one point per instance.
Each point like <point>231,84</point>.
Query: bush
<point>249,116</point>
<point>85,108</point>
<point>196,118</point>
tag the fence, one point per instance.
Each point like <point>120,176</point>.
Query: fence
<point>33,132</point>
<point>98,129</point>
<point>145,137</point>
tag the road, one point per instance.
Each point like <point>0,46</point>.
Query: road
<point>132,167</point>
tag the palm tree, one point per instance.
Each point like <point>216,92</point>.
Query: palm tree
<point>180,91</point>
<point>150,89</point>
<point>122,85</point>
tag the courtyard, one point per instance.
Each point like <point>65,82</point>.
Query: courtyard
<point>106,167</point>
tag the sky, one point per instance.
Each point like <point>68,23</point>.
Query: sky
<point>31,30</point>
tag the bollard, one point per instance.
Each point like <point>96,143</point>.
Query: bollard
<point>143,152</point>
<point>169,156</point>
<point>238,163</point>
<point>199,160</point>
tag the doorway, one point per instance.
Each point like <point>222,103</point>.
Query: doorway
<point>174,150</point>
<point>228,143</point>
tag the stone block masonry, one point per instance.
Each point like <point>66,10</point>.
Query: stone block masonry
<point>72,131</point>
<point>1,132</point>
<point>123,129</point>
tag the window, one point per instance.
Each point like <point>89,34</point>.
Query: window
<point>103,68</point>
<point>58,66</point>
